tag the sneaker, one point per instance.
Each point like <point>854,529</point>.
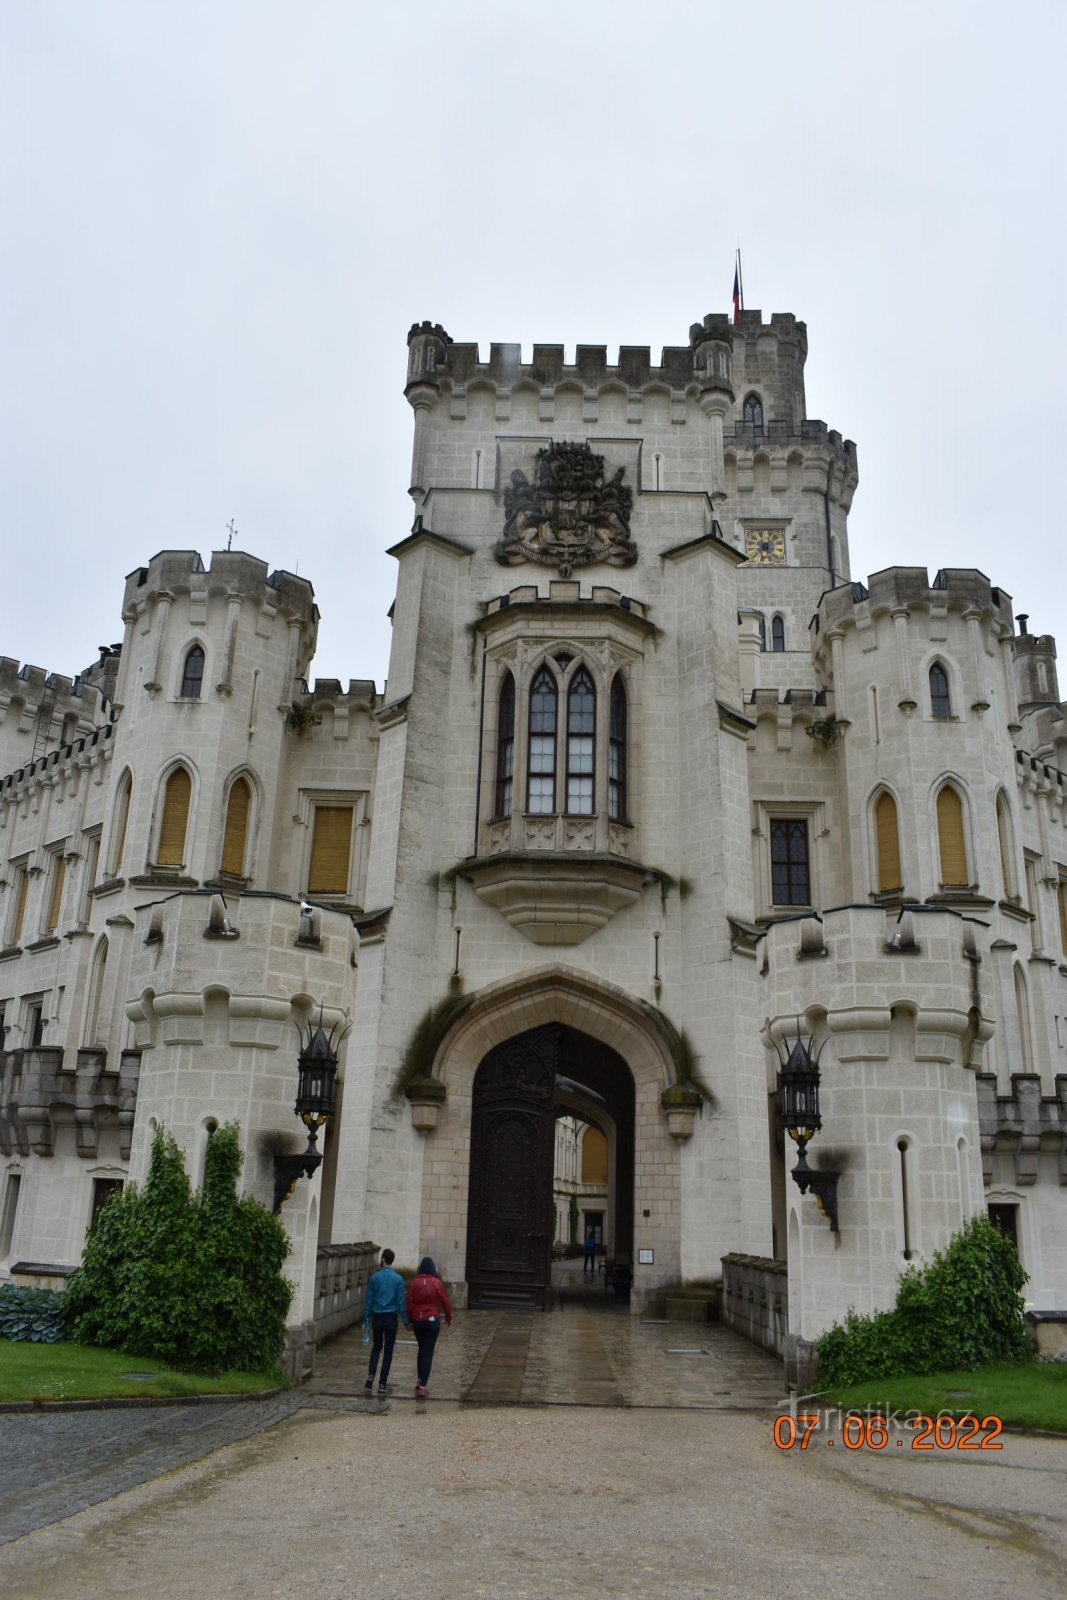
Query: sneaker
<point>385,1388</point>
<point>368,1386</point>
<point>421,1391</point>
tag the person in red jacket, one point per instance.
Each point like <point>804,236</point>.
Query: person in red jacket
<point>427,1298</point>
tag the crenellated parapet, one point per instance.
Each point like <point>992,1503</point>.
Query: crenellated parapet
<point>907,589</point>
<point>795,711</point>
<point>231,572</point>
<point>40,710</point>
<point>438,365</point>
<point>62,765</point>
<point>43,1089</point>
<point>1023,1123</point>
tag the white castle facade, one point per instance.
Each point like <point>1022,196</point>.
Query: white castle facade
<point>653,784</point>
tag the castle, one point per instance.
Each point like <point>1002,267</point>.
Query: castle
<point>658,803</point>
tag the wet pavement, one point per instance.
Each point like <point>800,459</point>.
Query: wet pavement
<point>584,1352</point>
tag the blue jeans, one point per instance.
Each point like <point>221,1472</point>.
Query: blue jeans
<point>383,1326</point>
<point>425,1337</point>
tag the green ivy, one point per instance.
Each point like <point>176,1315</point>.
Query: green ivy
<point>193,1280</point>
<point>34,1314</point>
<point>964,1309</point>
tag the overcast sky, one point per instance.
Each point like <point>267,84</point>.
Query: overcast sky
<point>218,222</point>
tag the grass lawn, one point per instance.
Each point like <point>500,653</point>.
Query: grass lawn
<point>83,1372</point>
<point>1031,1396</point>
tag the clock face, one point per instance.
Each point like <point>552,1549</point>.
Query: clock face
<point>765,547</point>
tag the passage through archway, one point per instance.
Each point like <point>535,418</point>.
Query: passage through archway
<point>520,1088</point>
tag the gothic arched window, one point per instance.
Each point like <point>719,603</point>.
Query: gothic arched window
<point>177,796</point>
<point>952,849</point>
<point>887,841</point>
<point>541,778</point>
<point>581,733</point>
<point>752,411</point>
<point>617,751</point>
<point>235,833</point>
<point>193,674</point>
<point>940,700</point>
<point>505,747</point>
<point>777,633</point>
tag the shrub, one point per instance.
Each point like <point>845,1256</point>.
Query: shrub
<point>193,1280</point>
<point>964,1309</point>
<point>34,1314</point>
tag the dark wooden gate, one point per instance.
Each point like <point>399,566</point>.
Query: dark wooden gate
<point>509,1225</point>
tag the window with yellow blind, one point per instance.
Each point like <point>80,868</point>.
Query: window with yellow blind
<point>950,839</point>
<point>235,835</point>
<point>331,850</point>
<point>1007,851</point>
<point>887,843</point>
<point>594,1157</point>
<point>55,894</point>
<point>22,889</point>
<point>174,822</point>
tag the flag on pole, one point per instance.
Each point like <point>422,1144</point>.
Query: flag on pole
<point>737,297</point>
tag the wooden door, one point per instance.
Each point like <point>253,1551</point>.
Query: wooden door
<point>509,1228</point>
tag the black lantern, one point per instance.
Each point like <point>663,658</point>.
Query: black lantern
<point>315,1094</point>
<point>798,1110</point>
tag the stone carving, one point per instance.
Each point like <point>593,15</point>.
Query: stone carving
<point>568,516</point>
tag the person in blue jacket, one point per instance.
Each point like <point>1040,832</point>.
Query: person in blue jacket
<point>383,1303</point>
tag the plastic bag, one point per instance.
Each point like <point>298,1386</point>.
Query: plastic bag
<point>366,1333</point>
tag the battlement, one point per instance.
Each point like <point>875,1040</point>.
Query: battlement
<point>565,592</point>
<point>231,572</point>
<point>953,589</point>
<point>436,359</point>
<point>361,694</point>
<point>57,760</point>
<point>29,691</point>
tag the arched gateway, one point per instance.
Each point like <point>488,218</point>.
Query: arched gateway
<point>519,1090</point>
<point>603,1059</point>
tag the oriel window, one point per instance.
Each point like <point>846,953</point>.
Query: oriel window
<point>581,734</point>
<point>541,781</point>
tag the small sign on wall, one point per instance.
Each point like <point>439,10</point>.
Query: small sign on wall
<point>646,1258</point>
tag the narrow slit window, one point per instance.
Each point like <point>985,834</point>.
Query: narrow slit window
<point>541,780</point>
<point>193,674</point>
<point>904,1150</point>
<point>777,633</point>
<point>617,799</point>
<point>940,700</point>
<point>581,735</point>
<point>122,817</point>
<point>505,748</point>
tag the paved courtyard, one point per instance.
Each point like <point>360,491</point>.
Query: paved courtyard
<point>582,1450</point>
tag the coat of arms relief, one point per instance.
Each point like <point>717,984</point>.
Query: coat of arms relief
<point>567,516</point>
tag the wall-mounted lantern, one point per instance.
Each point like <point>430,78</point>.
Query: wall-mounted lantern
<point>315,1098</point>
<point>798,1111</point>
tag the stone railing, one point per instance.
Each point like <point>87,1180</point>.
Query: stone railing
<point>341,1274</point>
<point>755,1299</point>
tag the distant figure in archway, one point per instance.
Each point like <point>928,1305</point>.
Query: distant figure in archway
<point>589,1263</point>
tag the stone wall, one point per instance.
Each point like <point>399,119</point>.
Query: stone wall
<point>755,1299</point>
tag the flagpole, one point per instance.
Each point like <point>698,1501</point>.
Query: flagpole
<point>740,279</point>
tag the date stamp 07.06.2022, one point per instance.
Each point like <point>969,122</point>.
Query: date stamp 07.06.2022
<point>876,1430</point>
